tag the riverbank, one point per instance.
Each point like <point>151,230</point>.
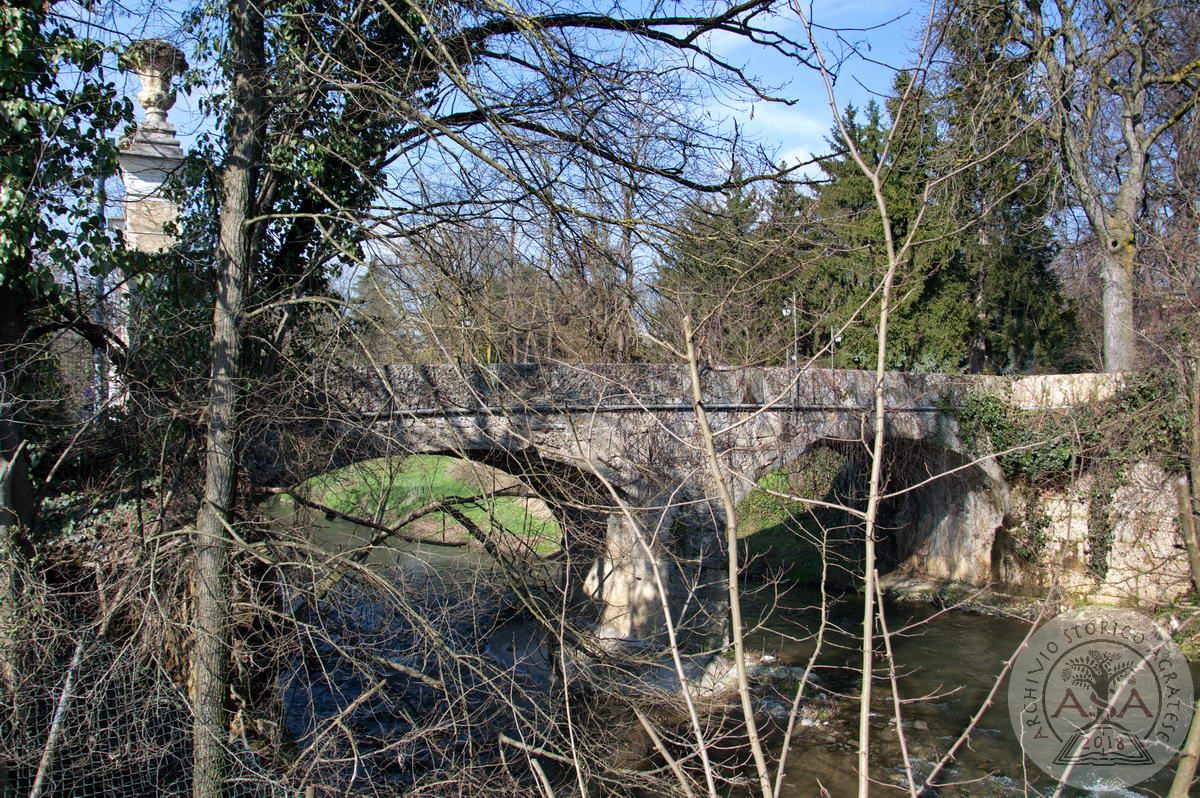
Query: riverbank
<point>1182,621</point>
<point>946,665</point>
<point>385,490</point>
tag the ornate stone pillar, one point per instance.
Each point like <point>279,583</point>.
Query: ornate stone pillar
<point>152,153</point>
<point>147,159</point>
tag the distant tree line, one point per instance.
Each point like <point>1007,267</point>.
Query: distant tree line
<point>774,273</point>
<point>1008,277</point>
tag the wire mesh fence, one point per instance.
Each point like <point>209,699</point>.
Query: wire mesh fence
<point>93,720</point>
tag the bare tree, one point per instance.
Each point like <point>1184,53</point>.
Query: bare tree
<point>1114,82</point>
<point>519,107</point>
<point>210,653</point>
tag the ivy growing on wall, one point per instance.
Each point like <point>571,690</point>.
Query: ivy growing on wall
<point>1100,523</point>
<point>1034,446</point>
<point>1145,420</point>
<point>1030,538</point>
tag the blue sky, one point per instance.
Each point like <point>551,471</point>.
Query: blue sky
<point>885,31</point>
<point>887,34</point>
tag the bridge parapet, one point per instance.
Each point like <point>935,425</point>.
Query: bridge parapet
<point>438,389</point>
<point>1060,391</point>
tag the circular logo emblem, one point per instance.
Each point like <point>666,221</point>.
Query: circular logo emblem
<point>1100,698</point>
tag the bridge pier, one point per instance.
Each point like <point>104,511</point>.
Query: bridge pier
<point>632,580</point>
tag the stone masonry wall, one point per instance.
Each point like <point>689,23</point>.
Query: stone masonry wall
<point>633,428</point>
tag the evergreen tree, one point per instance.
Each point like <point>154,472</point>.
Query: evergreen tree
<point>977,292</point>
<point>930,316</point>
<point>717,269</point>
<point>1022,321</point>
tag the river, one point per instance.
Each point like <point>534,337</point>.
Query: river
<point>947,667</point>
<point>950,663</point>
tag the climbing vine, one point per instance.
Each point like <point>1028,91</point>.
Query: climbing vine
<point>1100,523</point>
<point>1037,446</point>
<point>1146,420</point>
<point>1029,539</point>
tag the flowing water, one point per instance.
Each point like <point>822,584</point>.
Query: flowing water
<point>945,670</point>
<point>946,667</point>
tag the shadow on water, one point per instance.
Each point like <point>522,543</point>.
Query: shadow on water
<point>946,669</point>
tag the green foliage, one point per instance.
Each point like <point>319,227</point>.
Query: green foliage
<point>388,488</point>
<point>718,269</point>
<point>1037,446</point>
<point>1002,185</point>
<point>1100,523</point>
<point>329,134</point>
<point>772,274</point>
<point>1145,420</point>
<point>1029,538</point>
<point>1149,421</point>
<point>345,83</point>
<point>56,115</point>
<point>56,112</point>
<point>931,313</point>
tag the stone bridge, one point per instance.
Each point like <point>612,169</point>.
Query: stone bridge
<point>615,450</point>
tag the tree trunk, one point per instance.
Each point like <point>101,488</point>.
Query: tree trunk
<point>1116,272</point>
<point>1187,530</point>
<point>1188,490</point>
<point>210,651</point>
<point>16,491</point>
<point>1189,755</point>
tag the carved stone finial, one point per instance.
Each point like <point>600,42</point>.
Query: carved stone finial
<point>151,154</point>
<point>155,62</point>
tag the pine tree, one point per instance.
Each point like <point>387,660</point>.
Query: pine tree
<point>1022,321</point>
<point>717,269</point>
<point>978,292</point>
<point>930,315</point>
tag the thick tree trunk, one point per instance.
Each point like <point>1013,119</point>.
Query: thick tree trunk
<point>1187,530</point>
<point>1120,346</point>
<point>210,651</point>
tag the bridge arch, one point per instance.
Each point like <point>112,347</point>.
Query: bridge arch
<point>604,510</point>
<point>939,518</point>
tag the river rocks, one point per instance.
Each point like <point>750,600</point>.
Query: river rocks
<point>773,689</point>
<point>960,597</point>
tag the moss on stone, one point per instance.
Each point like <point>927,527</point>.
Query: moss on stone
<point>782,536</point>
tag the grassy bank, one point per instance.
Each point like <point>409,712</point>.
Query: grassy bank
<point>385,489</point>
<point>781,537</point>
